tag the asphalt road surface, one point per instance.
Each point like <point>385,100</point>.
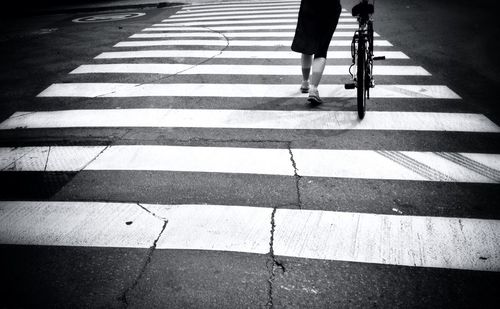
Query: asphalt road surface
<point>165,157</point>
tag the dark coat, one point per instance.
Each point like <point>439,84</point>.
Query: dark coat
<point>316,23</point>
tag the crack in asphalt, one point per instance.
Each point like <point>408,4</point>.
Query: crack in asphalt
<point>47,161</point>
<point>123,297</point>
<point>95,158</point>
<point>296,176</point>
<point>151,213</point>
<point>272,263</point>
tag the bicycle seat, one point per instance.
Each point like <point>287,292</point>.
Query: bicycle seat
<point>363,9</point>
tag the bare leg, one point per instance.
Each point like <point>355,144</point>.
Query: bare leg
<point>318,66</point>
<point>306,62</point>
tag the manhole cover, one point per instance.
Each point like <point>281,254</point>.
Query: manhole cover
<point>107,17</point>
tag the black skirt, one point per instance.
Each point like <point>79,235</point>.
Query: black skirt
<point>315,26</point>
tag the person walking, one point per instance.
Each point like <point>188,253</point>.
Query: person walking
<point>317,21</point>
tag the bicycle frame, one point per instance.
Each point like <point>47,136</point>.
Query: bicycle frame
<point>364,35</point>
<point>362,55</point>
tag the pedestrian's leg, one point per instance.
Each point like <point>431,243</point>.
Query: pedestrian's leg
<point>318,66</point>
<point>306,62</point>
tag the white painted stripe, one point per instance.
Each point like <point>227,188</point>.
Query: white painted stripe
<point>237,69</point>
<point>246,43</point>
<point>495,164</point>
<point>445,163</point>
<point>230,22</point>
<point>249,21</point>
<point>231,54</point>
<point>240,5</point>
<point>175,35</point>
<point>60,158</point>
<point>239,12</point>
<point>453,243</point>
<point>238,90</point>
<point>218,3</point>
<point>229,10</point>
<point>457,243</point>
<point>359,164</point>
<point>185,29</point>
<point>196,159</point>
<point>85,224</point>
<point>232,35</point>
<point>236,229</point>
<point>246,11</point>
<point>251,119</point>
<point>233,16</point>
<point>163,27</point>
<point>221,19</point>
<point>309,162</point>
<point>372,165</point>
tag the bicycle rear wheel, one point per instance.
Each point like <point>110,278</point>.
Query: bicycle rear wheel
<point>361,78</point>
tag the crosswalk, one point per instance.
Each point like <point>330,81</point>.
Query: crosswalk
<point>208,55</point>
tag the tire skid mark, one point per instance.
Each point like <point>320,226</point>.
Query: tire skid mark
<point>472,165</point>
<point>415,166</point>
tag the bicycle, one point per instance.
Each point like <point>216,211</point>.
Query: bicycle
<point>362,55</point>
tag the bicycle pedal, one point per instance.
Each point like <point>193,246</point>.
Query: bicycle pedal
<point>379,58</point>
<point>350,86</point>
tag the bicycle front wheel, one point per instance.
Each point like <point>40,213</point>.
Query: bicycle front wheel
<point>361,78</point>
